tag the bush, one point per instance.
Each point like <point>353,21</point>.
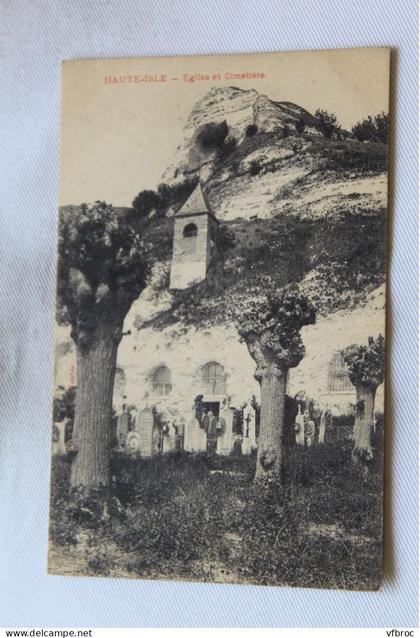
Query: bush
<point>300,126</point>
<point>73,510</point>
<point>145,202</point>
<point>327,122</point>
<point>175,194</point>
<point>62,528</point>
<point>63,408</point>
<point>225,238</point>
<point>372,129</point>
<point>255,167</point>
<point>228,146</point>
<point>346,155</point>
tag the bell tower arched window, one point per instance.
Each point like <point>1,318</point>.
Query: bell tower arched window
<point>161,382</point>
<point>213,378</point>
<point>190,230</point>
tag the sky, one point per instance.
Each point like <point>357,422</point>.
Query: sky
<point>118,137</point>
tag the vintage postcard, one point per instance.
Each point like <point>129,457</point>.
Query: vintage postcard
<point>220,327</point>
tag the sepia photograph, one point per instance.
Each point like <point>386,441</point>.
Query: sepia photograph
<point>218,408</point>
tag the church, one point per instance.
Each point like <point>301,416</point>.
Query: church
<point>181,377</point>
<point>169,381</point>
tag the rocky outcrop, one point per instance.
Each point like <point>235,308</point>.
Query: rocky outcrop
<point>229,104</point>
<point>278,168</point>
<point>239,109</point>
<point>271,116</point>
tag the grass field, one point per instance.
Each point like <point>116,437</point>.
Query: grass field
<point>198,517</point>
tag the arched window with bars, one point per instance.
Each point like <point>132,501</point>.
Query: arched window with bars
<point>338,376</point>
<point>161,382</point>
<point>213,378</point>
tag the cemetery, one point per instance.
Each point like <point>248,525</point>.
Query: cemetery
<point>165,385</point>
<point>218,411</point>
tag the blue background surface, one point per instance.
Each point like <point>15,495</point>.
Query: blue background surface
<point>34,38</point>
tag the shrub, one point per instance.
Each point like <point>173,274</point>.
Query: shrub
<point>62,528</point>
<point>63,408</point>
<point>300,126</point>
<point>327,122</point>
<point>71,511</point>
<point>255,167</point>
<point>382,126</point>
<point>372,129</point>
<point>173,194</point>
<point>145,202</point>
<point>225,238</point>
<point>228,146</point>
<point>346,155</point>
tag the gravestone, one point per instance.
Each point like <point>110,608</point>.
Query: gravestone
<point>122,428</point>
<point>249,442</point>
<point>322,427</point>
<point>300,427</point>
<point>144,428</point>
<point>225,440</point>
<point>195,439</point>
<point>59,447</point>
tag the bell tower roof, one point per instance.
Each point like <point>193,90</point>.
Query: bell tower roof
<point>196,204</point>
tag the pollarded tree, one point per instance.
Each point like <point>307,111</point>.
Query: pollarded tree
<point>270,326</point>
<point>103,266</point>
<point>366,366</point>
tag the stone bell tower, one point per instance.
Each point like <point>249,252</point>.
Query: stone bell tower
<point>193,242</point>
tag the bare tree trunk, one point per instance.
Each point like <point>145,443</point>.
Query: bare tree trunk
<point>273,392</point>
<point>365,415</point>
<point>93,414</point>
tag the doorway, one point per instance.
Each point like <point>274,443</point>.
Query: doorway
<point>214,406</point>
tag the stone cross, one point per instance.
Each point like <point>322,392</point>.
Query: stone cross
<point>247,421</point>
